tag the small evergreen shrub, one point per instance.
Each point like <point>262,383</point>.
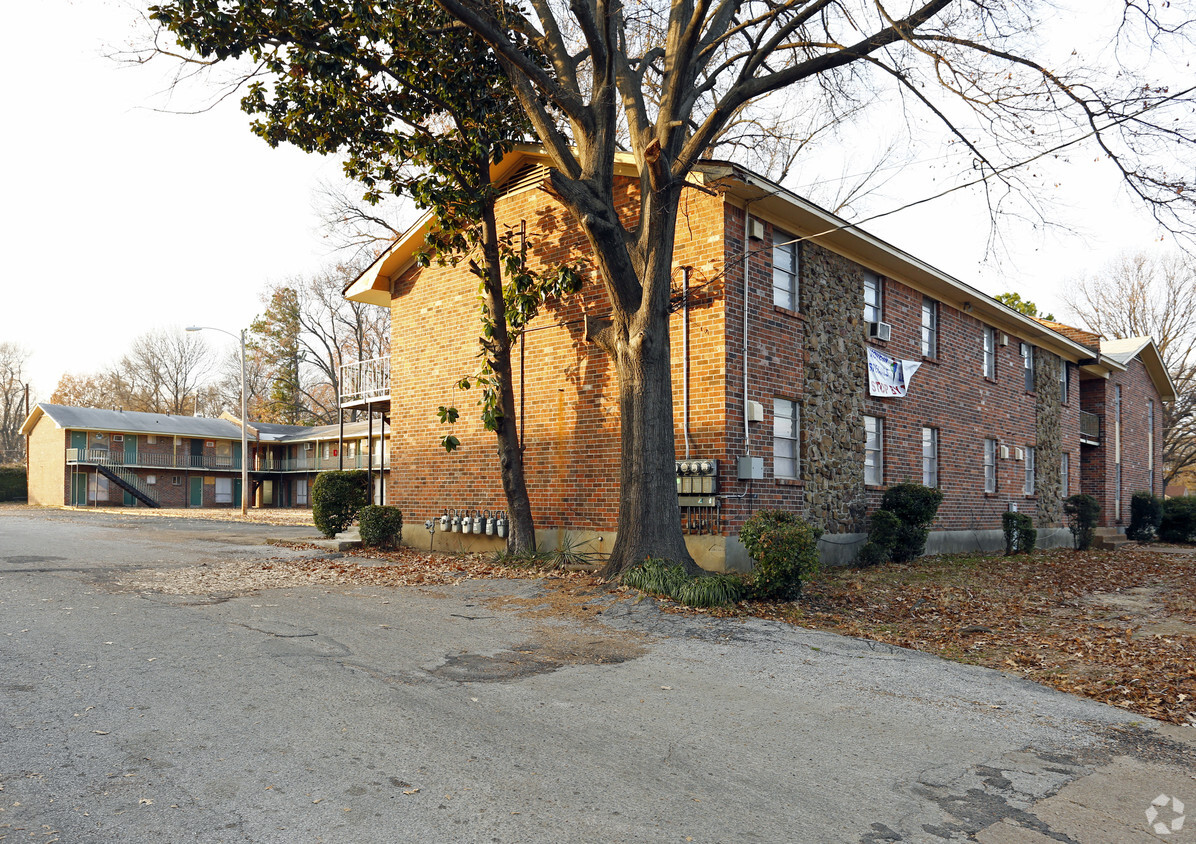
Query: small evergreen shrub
<point>1020,534</point>
<point>900,527</point>
<point>381,526</point>
<point>669,580</point>
<point>1179,520</point>
<point>337,498</point>
<point>785,550</point>
<point>13,484</point>
<point>1082,511</point>
<point>1146,516</point>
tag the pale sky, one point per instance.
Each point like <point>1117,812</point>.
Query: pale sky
<point>119,218</point>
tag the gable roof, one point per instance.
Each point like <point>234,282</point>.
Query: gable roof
<point>1079,335</point>
<point>1143,348</point>
<point>132,422</point>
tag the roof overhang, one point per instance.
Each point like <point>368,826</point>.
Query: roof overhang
<point>32,419</point>
<point>1145,350</point>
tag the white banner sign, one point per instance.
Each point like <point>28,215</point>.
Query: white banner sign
<point>889,376</point>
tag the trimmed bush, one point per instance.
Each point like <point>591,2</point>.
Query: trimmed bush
<point>1020,534</point>
<point>13,484</point>
<point>337,498</point>
<point>785,550</point>
<point>901,526</point>
<point>381,527</point>
<point>1179,520</point>
<point>1082,511</point>
<point>1146,516</point>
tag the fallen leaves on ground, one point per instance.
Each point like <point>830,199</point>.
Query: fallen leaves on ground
<point>1116,626</point>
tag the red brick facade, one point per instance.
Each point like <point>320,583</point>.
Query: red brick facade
<point>566,387</point>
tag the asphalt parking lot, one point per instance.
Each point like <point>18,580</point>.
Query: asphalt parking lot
<point>472,712</point>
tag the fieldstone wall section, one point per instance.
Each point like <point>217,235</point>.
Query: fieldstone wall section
<point>835,385</point>
<point>1048,426</point>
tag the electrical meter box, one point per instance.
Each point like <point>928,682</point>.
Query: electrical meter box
<point>751,468</point>
<point>697,482</point>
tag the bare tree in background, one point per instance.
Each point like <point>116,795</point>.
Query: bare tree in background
<point>1139,295</point>
<point>12,401</point>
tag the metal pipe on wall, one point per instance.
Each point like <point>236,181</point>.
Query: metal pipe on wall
<point>685,346</point>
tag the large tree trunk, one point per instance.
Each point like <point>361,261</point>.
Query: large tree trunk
<point>522,535</point>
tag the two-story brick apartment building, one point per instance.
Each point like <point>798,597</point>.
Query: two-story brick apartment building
<point>85,456</point>
<point>772,397</point>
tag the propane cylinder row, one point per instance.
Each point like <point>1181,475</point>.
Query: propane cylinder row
<point>480,522</point>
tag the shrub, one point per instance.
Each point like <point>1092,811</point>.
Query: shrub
<point>1020,534</point>
<point>1179,520</point>
<point>669,580</point>
<point>1081,511</point>
<point>13,486</point>
<point>381,526</point>
<point>785,550</point>
<point>336,499</point>
<point>1146,515</point>
<point>901,526</point>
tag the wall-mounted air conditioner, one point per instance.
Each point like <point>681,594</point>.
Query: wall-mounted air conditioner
<point>1004,339</point>
<point>879,330</point>
<point>118,438</point>
<point>755,229</point>
<point>1004,452</point>
<point>755,411</point>
<point>1019,454</point>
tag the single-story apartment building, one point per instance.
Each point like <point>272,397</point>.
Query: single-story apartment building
<point>814,365</point>
<point>86,456</point>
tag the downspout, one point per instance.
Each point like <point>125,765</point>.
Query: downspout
<point>685,344</point>
<point>747,433</point>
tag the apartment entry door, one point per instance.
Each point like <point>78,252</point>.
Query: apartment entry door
<point>196,499</point>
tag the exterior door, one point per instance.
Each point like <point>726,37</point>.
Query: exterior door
<point>79,439</point>
<point>196,454</point>
<point>197,488</point>
<point>237,489</point>
<point>130,449</point>
<point>79,489</point>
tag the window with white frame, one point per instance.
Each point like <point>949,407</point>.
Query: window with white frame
<point>990,465</point>
<point>224,490</point>
<point>301,491</point>
<point>152,480</point>
<point>786,430</point>
<point>874,430</point>
<point>930,327</point>
<point>1028,487</point>
<point>1150,442</point>
<point>930,457</point>
<point>1028,365</point>
<point>1064,381</point>
<point>784,271</point>
<point>151,439</point>
<point>872,309</point>
<point>990,352</point>
<point>1065,473</point>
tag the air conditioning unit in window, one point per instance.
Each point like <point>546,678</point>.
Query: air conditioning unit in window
<point>118,438</point>
<point>307,446</point>
<point>879,330</point>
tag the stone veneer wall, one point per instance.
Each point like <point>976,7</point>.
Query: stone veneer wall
<point>1048,426</point>
<point>835,383</point>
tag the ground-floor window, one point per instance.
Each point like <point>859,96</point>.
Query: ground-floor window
<point>301,491</point>
<point>873,450</point>
<point>990,465</point>
<point>930,457</point>
<point>224,490</point>
<point>785,427</point>
<point>1029,485</point>
<point>1065,473</point>
<point>97,488</point>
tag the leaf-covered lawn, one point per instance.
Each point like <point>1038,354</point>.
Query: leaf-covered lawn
<point>1116,626</point>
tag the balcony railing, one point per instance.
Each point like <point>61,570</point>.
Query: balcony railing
<point>315,463</point>
<point>1089,428</point>
<point>120,457</point>
<point>365,380</point>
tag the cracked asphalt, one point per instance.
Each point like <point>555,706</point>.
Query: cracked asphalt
<point>351,714</point>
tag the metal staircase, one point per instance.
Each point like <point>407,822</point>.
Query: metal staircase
<point>129,482</point>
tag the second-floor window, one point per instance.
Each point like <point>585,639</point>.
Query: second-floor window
<point>872,291</point>
<point>1064,381</point>
<point>930,327</point>
<point>1028,365</point>
<point>990,352</point>
<point>784,271</point>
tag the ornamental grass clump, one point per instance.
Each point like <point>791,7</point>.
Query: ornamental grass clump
<point>669,580</point>
<point>784,548</point>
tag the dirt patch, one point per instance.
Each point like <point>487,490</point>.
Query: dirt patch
<point>551,650</point>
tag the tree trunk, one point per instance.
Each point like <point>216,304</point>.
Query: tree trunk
<point>522,530</point>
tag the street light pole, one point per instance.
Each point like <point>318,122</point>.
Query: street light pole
<point>244,419</point>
